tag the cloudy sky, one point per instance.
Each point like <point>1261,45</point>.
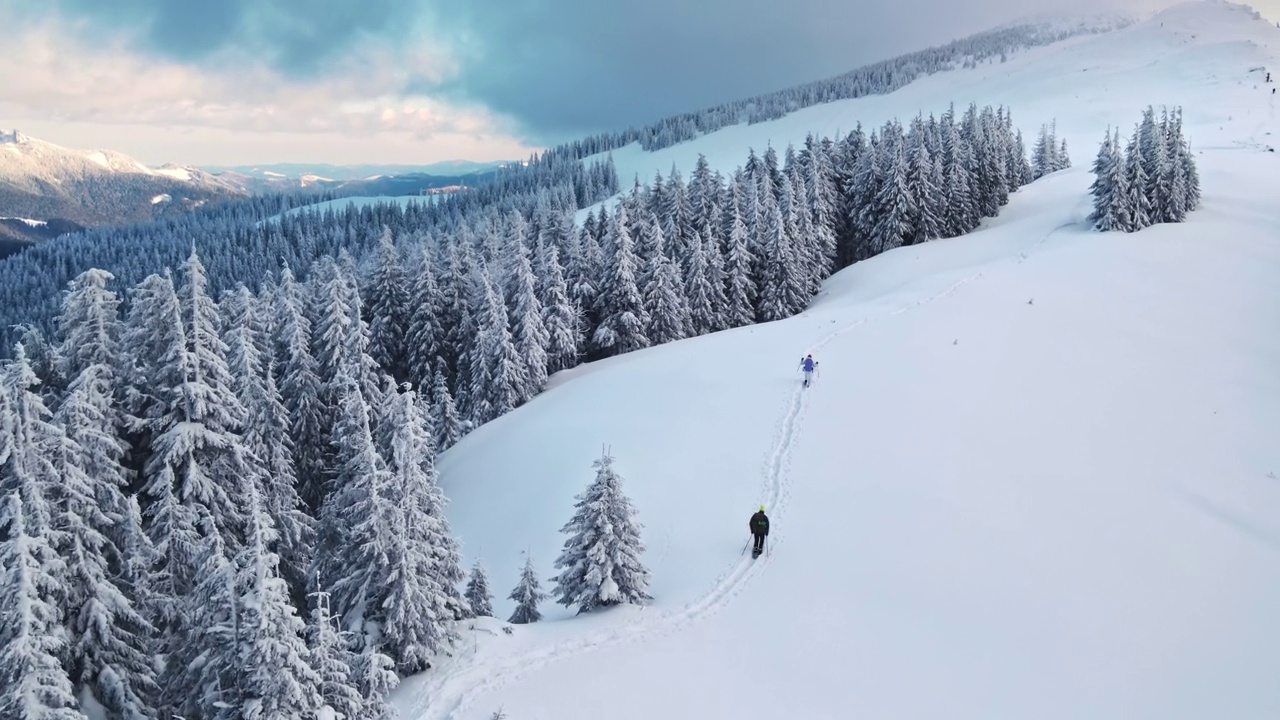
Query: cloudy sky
<point>418,81</point>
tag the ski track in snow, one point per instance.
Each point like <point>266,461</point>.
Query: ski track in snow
<point>457,688</point>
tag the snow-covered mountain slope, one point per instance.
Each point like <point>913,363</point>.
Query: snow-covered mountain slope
<point>1037,475</point>
<point>44,181</point>
<point>1181,56</point>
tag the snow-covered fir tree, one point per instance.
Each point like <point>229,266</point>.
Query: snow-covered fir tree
<point>360,518</point>
<point>300,388</point>
<point>108,634</point>
<point>529,329</point>
<point>33,683</point>
<point>277,679</point>
<point>333,661</point>
<point>620,307</point>
<point>1151,180</point>
<point>499,376</point>
<point>527,594</point>
<point>387,292</point>
<point>419,596</point>
<point>600,561</point>
<point>562,317</point>
<point>479,599</point>
<point>446,424</point>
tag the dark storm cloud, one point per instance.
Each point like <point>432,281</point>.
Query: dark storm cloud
<point>565,67</point>
<point>561,68</point>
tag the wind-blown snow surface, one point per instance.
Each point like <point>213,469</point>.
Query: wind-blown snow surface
<point>1038,474</point>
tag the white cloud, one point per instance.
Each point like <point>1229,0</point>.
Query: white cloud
<point>56,74</point>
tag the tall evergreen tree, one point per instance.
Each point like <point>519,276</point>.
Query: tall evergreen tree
<point>740,285</point>
<point>33,683</point>
<point>529,328</point>
<point>89,325</point>
<point>387,290</point>
<point>333,661</point>
<point>601,559</point>
<point>498,373</point>
<point>418,596</point>
<point>479,599</point>
<point>425,331</point>
<point>301,390</point>
<point>277,679</point>
<point>623,316</point>
<point>359,518</point>
<point>527,594</point>
<point>197,446</point>
<point>445,422</point>
<point>266,437</point>
<point>663,291</point>
<point>562,317</point>
<point>107,634</point>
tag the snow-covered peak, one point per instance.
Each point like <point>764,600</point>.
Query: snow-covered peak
<point>11,137</point>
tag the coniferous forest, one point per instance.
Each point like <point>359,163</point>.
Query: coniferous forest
<point>1151,180</point>
<point>218,495</point>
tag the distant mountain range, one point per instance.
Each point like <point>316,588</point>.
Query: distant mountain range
<point>355,172</point>
<point>48,190</point>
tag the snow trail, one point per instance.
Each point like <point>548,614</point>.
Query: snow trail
<point>456,688</point>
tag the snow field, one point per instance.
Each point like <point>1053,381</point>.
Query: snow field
<point>1037,475</point>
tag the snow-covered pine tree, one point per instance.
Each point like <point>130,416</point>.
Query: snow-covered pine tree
<point>273,661</point>
<point>740,285</point>
<point>601,559</point>
<point>527,594</point>
<point>300,389</point>
<point>375,678</point>
<point>89,325</point>
<point>28,469</point>
<point>819,180</point>
<point>562,318</point>
<point>705,297</point>
<point>894,206</point>
<point>202,675</point>
<point>387,293</point>
<point>529,330</point>
<point>333,661</point>
<point>1044,157</point>
<point>1020,172</point>
<point>1108,172</point>
<point>445,422</point>
<point>341,336</point>
<point>425,333</point>
<point>1138,197</point>
<point>782,285</point>
<point>418,596</point>
<point>266,436</point>
<point>1188,161</point>
<point>620,306</point>
<point>479,599</point>
<point>359,519</point>
<point>498,375</point>
<point>1063,157</point>
<point>197,444</point>
<point>926,220</point>
<point>136,575</point>
<point>108,636</point>
<point>663,290</point>
<point>33,683</point>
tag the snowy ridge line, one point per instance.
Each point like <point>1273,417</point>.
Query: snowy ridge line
<point>456,689</point>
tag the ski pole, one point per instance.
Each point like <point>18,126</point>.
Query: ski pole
<point>744,547</point>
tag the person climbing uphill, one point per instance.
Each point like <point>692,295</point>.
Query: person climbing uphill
<point>809,365</point>
<point>759,525</point>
